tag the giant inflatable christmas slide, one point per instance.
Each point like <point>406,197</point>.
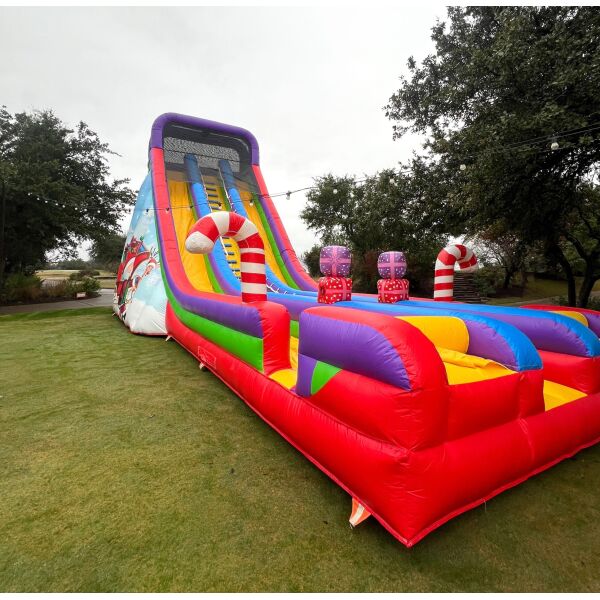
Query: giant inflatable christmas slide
<point>418,409</point>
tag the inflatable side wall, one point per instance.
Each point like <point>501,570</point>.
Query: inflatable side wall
<point>140,300</point>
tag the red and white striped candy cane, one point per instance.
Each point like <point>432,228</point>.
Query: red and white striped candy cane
<point>443,283</point>
<point>203,235</point>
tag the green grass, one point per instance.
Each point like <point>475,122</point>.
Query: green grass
<point>539,289</point>
<point>125,468</point>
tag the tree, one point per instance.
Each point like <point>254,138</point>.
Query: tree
<point>387,211</point>
<point>509,105</point>
<point>106,251</point>
<point>311,260</point>
<point>55,188</point>
<point>502,248</point>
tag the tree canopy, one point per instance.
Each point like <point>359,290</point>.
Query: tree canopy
<point>55,188</point>
<point>387,211</point>
<point>509,104</point>
<point>106,251</point>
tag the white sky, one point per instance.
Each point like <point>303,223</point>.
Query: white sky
<point>310,83</point>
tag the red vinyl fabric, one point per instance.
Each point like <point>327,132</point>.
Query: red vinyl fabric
<point>390,291</point>
<point>334,289</point>
<point>411,485</point>
<point>579,372</point>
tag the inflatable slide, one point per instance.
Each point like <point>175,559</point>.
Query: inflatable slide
<point>419,410</point>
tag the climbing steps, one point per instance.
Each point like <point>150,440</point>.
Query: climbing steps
<point>465,289</point>
<point>218,201</point>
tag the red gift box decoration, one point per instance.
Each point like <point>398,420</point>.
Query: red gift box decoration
<point>392,290</point>
<point>334,289</point>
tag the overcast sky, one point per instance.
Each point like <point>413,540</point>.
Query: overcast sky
<point>309,83</point>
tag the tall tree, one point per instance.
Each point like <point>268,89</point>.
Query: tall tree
<point>54,187</point>
<point>388,211</point>
<point>510,107</point>
<point>106,251</point>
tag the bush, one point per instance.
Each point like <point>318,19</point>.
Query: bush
<point>83,273</point>
<point>19,287</point>
<point>89,285</point>
<point>488,280</point>
<point>28,288</point>
<point>58,289</point>
<point>594,303</point>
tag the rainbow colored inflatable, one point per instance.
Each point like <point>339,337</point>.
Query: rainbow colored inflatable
<point>419,410</point>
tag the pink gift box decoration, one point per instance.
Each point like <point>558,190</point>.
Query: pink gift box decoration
<point>335,261</point>
<point>391,265</point>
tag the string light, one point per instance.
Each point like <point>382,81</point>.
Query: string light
<point>516,146</point>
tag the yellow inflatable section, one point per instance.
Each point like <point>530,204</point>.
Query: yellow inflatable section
<point>450,336</point>
<point>556,394</point>
<point>183,219</point>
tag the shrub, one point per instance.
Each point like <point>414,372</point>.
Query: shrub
<point>89,285</point>
<point>488,280</point>
<point>19,287</point>
<point>594,303</point>
<point>79,275</point>
<point>59,289</point>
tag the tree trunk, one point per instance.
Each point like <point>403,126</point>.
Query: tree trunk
<point>2,228</point>
<point>586,285</point>
<point>566,267</point>
<point>507,277</point>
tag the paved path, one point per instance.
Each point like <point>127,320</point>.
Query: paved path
<point>104,299</point>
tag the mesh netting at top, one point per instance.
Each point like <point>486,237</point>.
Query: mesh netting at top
<point>207,155</point>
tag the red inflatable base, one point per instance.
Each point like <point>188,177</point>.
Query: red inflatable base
<point>410,492</point>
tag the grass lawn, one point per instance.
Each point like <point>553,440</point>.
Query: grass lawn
<point>106,278</point>
<point>540,288</point>
<point>125,468</point>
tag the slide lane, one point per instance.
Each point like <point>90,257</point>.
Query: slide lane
<point>183,218</point>
<point>233,186</point>
<point>272,256</point>
<point>302,279</point>
<point>274,282</point>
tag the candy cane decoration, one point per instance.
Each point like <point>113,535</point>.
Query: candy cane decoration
<point>203,235</point>
<point>443,284</point>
